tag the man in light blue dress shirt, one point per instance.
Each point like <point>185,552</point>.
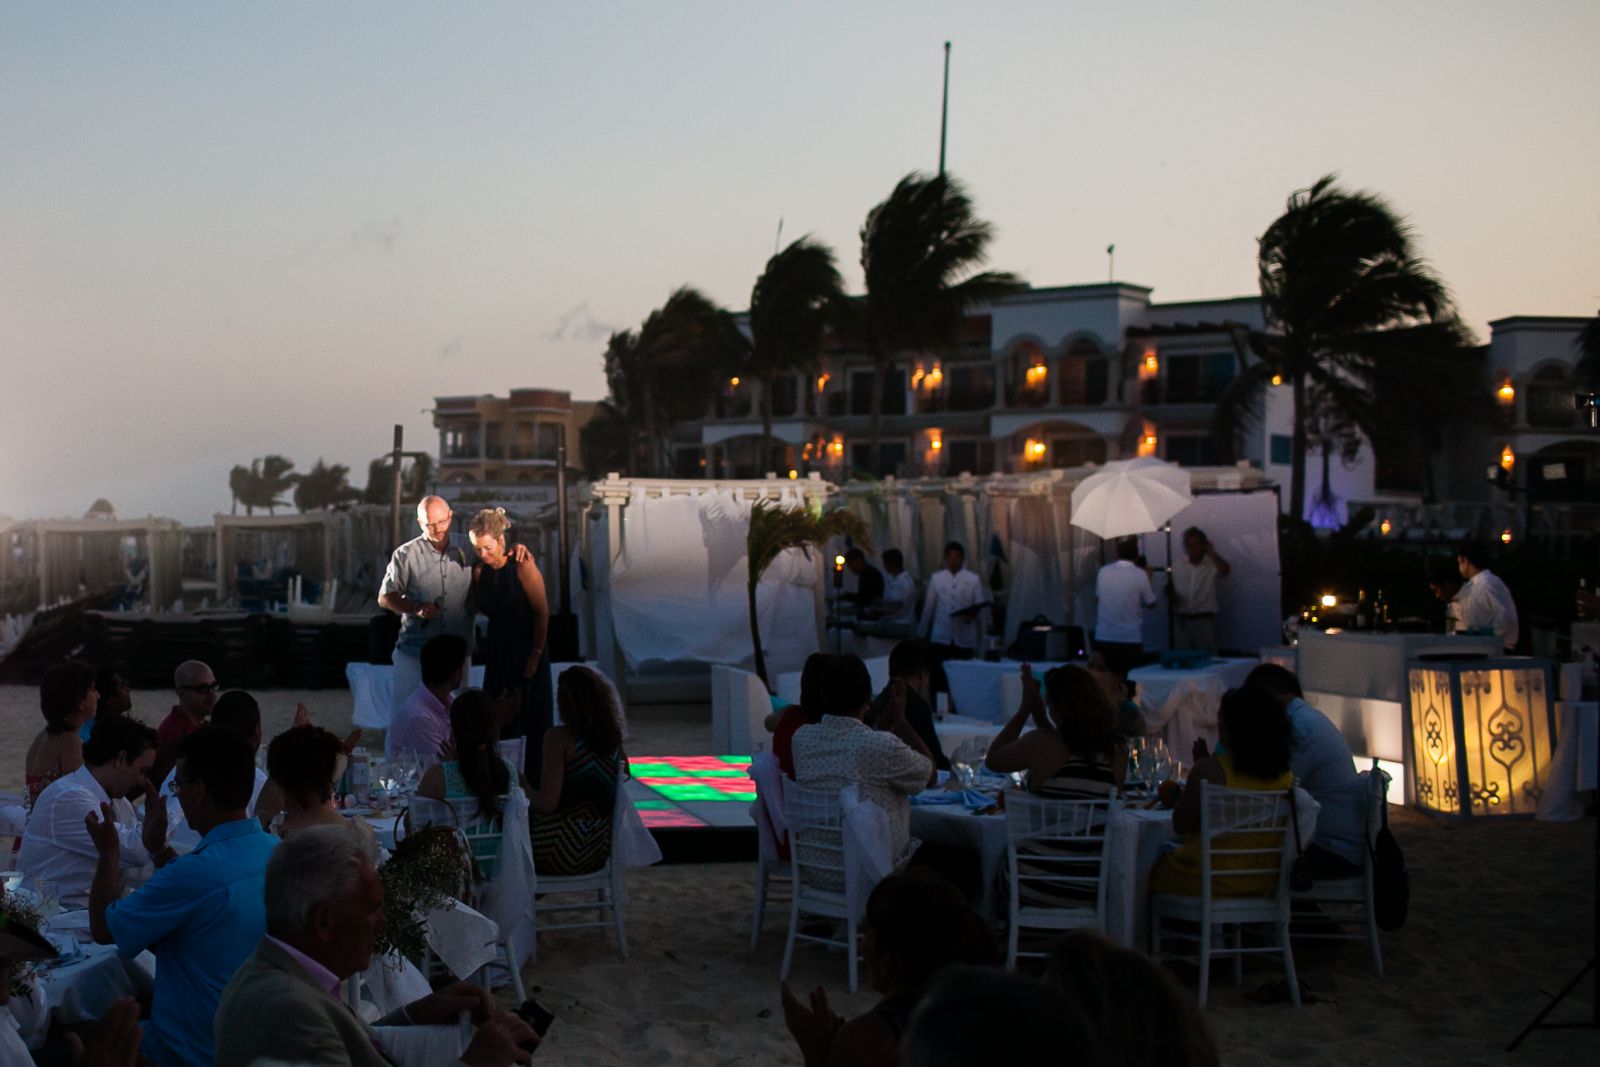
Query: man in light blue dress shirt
<point>202,914</point>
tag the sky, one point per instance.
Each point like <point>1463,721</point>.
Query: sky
<point>231,230</point>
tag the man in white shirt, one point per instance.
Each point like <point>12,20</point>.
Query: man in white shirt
<point>899,592</point>
<point>887,765</point>
<point>1122,593</point>
<point>57,851</point>
<point>953,613</point>
<point>1484,604</point>
<point>1194,591</point>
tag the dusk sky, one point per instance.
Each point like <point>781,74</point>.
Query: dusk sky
<point>228,230</point>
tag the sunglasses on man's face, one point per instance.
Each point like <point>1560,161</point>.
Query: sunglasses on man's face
<point>204,687</point>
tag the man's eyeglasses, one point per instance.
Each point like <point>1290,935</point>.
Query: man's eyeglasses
<point>203,687</point>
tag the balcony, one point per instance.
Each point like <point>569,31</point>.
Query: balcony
<point>531,455</point>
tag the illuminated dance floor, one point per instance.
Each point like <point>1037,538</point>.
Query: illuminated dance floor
<point>692,792</point>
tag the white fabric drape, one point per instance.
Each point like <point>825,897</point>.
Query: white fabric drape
<point>869,849</point>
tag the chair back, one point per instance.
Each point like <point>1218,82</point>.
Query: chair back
<point>1246,843</point>
<point>1377,784</point>
<point>816,837</point>
<point>484,835</point>
<point>1056,848</point>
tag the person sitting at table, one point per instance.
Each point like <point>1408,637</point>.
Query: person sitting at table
<point>201,914</point>
<point>887,765</point>
<point>306,762</point>
<point>422,723</point>
<point>58,852</point>
<point>1255,735</point>
<point>899,603</point>
<point>477,772</point>
<point>910,663</point>
<point>67,698</point>
<point>583,762</point>
<point>197,689</point>
<point>902,959</point>
<point>112,1042</point>
<point>323,912</point>
<point>1136,1011</point>
<point>868,581</point>
<point>1073,753</point>
<point>808,712</point>
<point>236,710</point>
<point>115,698</point>
<point>1320,757</point>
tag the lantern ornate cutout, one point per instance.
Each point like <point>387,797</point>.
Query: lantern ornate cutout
<point>1482,735</point>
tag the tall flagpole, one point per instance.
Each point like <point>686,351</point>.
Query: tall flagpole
<point>944,109</point>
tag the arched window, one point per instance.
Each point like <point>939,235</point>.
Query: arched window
<point>1082,374</point>
<point>1028,376</point>
<point>1549,400</point>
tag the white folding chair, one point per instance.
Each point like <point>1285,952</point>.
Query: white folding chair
<point>1351,897</point>
<point>605,884</point>
<point>484,841</point>
<point>1244,834</point>
<point>771,871</point>
<point>817,865</point>
<point>1055,852</point>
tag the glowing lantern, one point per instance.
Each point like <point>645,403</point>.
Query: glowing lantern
<point>1508,459</point>
<point>935,440</point>
<point>1507,392</point>
<point>935,376</point>
<point>733,383</point>
<point>1150,366</point>
<point>1481,734</point>
<point>1036,375</point>
<point>838,563</point>
<point>836,447</point>
<point>793,474</point>
<point>1384,527</point>
<point>1033,450</point>
<point>822,381</point>
<point>1505,536</point>
<point>1147,441</point>
<point>1329,600</point>
<point>1277,379</point>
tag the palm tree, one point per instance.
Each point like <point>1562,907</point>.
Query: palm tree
<point>240,486</point>
<point>918,248</point>
<point>1357,324</point>
<point>790,308</point>
<point>324,487</point>
<point>664,373</point>
<point>775,529</point>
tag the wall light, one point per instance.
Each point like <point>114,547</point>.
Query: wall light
<point>1384,527</point>
<point>1147,441</point>
<point>1033,450</point>
<point>1037,374</point>
<point>1150,366</point>
<point>1481,734</point>
<point>936,439</point>
<point>1507,392</point>
<point>1329,600</point>
<point>822,381</point>
<point>1277,379</point>
<point>1508,459</point>
<point>1505,536</point>
<point>836,446</point>
<point>733,382</point>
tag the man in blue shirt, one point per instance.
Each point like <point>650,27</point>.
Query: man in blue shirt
<point>201,914</point>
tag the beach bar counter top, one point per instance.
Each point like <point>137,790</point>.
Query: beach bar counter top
<point>1359,681</point>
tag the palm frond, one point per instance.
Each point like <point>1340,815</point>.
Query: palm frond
<point>774,529</point>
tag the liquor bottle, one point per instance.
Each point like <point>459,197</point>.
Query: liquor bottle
<point>1363,611</point>
<point>1380,611</point>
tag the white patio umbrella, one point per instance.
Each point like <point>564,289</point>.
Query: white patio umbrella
<point>1130,496</point>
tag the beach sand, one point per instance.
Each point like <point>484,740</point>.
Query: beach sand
<point>1500,915</point>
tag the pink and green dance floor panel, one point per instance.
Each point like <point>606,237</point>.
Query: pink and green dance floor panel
<point>692,792</point>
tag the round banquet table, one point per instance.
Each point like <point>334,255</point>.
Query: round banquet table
<point>1181,704</point>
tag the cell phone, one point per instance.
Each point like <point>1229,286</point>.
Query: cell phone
<point>536,1015</point>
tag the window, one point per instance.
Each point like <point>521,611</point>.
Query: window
<point>1192,450</point>
<point>970,454</point>
<point>491,440</point>
<point>894,392</point>
<point>547,444</point>
<point>969,387</point>
<point>689,463</point>
<point>1282,449</point>
<point>1549,402</point>
<point>785,396</point>
<point>1192,379</point>
<point>891,458</point>
<point>459,442</point>
<point>1076,451</point>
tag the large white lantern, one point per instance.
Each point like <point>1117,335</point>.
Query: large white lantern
<point>1482,734</point>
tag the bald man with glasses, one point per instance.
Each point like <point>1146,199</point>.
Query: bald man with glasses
<point>429,585</point>
<point>197,691</point>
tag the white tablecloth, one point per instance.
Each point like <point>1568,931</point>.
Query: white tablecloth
<point>953,824</point>
<point>1573,767</point>
<point>981,689</point>
<point>87,987</point>
<point>422,1046</point>
<point>1181,705</point>
<point>1136,840</point>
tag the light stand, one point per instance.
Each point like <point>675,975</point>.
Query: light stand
<point>1584,402</point>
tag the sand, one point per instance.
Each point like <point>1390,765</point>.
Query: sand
<point>1500,914</point>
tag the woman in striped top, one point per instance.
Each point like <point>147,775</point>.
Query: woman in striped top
<point>1072,754</point>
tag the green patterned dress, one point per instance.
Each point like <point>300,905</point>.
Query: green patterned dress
<point>576,837</point>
